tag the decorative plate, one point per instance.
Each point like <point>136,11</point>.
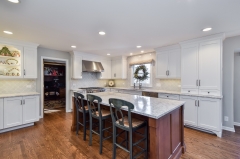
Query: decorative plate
<point>12,61</point>
<point>111,83</point>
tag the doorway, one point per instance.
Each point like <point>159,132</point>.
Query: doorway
<point>54,85</point>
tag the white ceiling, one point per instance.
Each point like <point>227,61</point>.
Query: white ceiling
<point>58,24</point>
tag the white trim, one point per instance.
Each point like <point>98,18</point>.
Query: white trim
<point>18,42</point>
<point>168,48</point>
<point>228,128</point>
<point>16,127</point>
<point>68,108</point>
<point>236,123</point>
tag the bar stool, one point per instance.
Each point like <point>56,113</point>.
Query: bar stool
<point>129,125</point>
<point>101,115</point>
<point>80,108</point>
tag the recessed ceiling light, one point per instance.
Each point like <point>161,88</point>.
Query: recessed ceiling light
<point>142,51</point>
<point>139,46</point>
<point>73,46</point>
<point>14,1</point>
<point>108,54</point>
<point>102,33</point>
<point>8,32</point>
<point>131,53</point>
<point>207,29</point>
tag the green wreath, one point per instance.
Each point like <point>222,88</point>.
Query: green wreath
<point>141,77</point>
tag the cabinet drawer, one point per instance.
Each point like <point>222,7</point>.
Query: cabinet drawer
<point>209,92</point>
<point>189,91</point>
<point>150,94</point>
<point>168,96</point>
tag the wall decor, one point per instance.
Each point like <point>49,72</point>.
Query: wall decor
<point>141,73</point>
<point>12,61</point>
<point>5,52</point>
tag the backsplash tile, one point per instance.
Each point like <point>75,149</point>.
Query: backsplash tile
<point>17,86</point>
<point>88,80</point>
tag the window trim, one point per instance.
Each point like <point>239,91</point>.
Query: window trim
<point>143,84</point>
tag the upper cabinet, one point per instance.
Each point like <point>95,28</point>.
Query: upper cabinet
<point>76,63</point>
<point>119,67</point>
<point>202,66</point>
<point>17,59</point>
<point>168,62</point>
<point>107,65</point>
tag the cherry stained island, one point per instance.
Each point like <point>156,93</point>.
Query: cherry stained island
<point>165,122</point>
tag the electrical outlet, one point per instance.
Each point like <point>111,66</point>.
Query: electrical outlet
<point>29,86</point>
<point>225,118</point>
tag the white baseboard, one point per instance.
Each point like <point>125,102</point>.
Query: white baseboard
<point>16,127</point>
<point>228,128</point>
<point>236,123</point>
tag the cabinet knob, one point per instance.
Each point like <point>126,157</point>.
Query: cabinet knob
<point>188,91</point>
<point>167,96</point>
<point>208,92</point>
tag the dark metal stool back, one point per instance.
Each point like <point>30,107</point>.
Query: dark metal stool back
<point>126,124</point>
<point>101,115</point>
<point>80,108</point>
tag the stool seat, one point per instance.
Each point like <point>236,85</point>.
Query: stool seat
<point>104,113</point>
<point>86,107</point>
<point>135,122</point>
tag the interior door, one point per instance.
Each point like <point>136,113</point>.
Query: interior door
<point>189,68</point>
<point>13,112</point>
<point>209,113</point>
<point>174,64</point>
<point>162,65</point>
<point>30,109</point>
<point>30,63</point>
<point>190,110</point>
<point>209,67</point>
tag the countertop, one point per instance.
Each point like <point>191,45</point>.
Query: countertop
<point>19,94</point>
<point>146,106</point>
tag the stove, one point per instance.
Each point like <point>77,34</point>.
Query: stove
<point>94,89</point>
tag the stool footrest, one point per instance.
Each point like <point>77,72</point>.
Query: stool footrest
<point>122,147</point>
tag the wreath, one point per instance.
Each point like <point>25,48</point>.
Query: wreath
<point>142,77</point>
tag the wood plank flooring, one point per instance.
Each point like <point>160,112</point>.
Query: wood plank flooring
<point>51,138</point>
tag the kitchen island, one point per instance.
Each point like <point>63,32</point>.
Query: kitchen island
<point>165,122</point>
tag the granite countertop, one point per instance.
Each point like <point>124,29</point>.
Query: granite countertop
<point>146,106</point>
<point>19,94</point>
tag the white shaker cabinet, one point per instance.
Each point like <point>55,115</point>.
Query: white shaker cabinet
<point>168,62</point>
<point>76,65</point>
<point>13,112</point>
<point>107,74</point>
<point>201,66</point>
<point>1,114</point>
<point>203,113</point>
<point>190,110</point>
<point>30,111</point>
<point>30,62</point>
<point>119,67</point>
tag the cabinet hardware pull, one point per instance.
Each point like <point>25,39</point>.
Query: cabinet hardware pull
<point>198,103</point>
<point>208,92</point>
<point>24,101</point>
<point>199,84</point>
<point>21,102</point>
<point>166,72</point>
<point>24,72</point>
<point>195,102</point>
<point>188,91</point>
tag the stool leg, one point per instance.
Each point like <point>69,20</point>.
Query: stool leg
<point>101,136</point>
<point>84,127</point>
<point>146,141</point>
<point>77,123</point>
<point>114,142</point>
<point>131,144</point>
<point>90,131</point>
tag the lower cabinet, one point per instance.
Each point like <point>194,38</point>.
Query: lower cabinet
<point>168,96</point>
<point>203,113</point>
<point>20,110</point>
<point>1,114</point>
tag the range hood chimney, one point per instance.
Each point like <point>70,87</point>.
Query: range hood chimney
<point>92,66</point>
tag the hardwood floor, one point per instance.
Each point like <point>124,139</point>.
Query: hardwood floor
<point>52,138</point>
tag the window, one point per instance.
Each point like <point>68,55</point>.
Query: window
<point>146,83</point>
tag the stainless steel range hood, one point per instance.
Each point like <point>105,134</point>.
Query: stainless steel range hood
<point>92,66</point>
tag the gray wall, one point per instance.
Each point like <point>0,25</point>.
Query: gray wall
<point>237,87</point>
<point>230,45</point>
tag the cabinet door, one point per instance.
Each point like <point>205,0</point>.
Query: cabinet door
<point>162,65</point>
<point>12,112</point>
<point>174,64</point>
<point>210,67</point>
<point>30,109</point>
<point>190,110</point>
<point>117,69</point>
<point>76,67</point>
<point>30,62</point>
<point>1,114</point>
<point>107,69</point>
<point>189,68</point>
<point>209,113</point>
